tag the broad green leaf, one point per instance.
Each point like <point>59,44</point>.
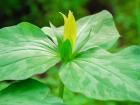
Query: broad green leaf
<point>28,92</point>
<point>99,74</point>
<point>24,51</point>
<point>95,30</point>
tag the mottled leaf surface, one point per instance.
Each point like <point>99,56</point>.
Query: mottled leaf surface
<point>94,30</point>
<point>24,51</point>
<point>99,74</point>
<point>28,92</point>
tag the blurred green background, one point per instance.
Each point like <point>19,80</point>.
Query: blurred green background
<point>39,12</point>
<point>126,15</point>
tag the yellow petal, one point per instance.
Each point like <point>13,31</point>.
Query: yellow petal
<point>65,18</point>
<point>70,28</point>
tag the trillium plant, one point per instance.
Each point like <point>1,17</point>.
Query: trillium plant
<point>80,50</point>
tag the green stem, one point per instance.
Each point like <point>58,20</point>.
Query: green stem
<point>61,89</point>
<point>61,85</point>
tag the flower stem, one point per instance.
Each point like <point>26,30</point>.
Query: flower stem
<point>61,89</point>
<point>61,85</point>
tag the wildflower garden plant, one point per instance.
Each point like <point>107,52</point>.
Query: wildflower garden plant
<point>81,49</point>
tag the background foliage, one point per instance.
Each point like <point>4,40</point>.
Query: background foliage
<point>126,14</point>
<point>39,12</point>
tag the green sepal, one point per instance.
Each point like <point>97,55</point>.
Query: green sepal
<point>66,50</point>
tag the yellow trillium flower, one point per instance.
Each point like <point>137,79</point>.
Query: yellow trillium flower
<point>70,28</point>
